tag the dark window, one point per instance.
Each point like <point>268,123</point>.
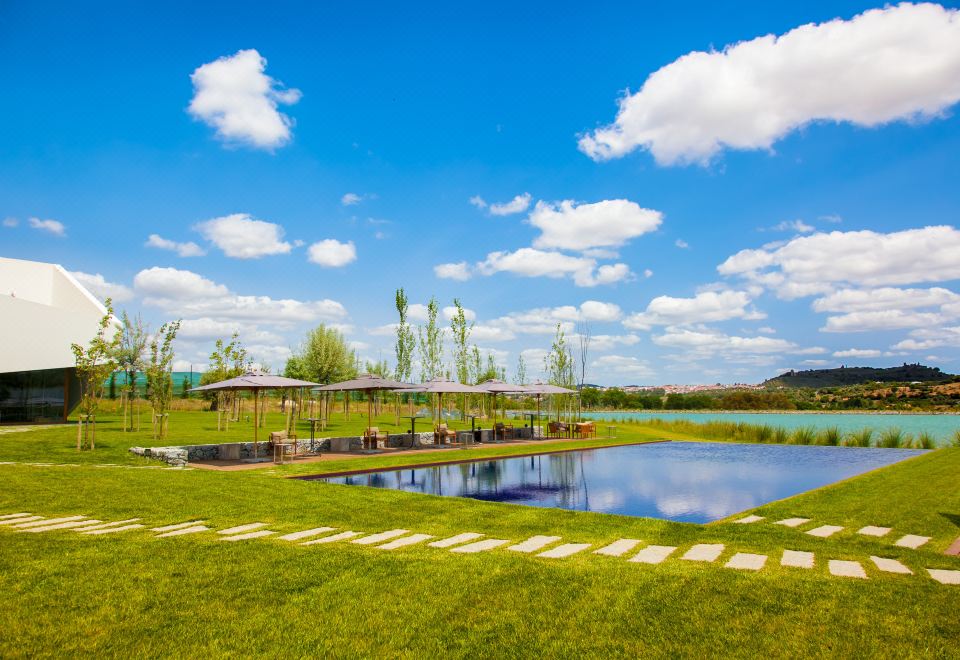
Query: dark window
<point>31,396</point>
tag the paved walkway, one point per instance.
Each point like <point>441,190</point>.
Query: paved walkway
<point>912,541</point>
<point>549,547</point>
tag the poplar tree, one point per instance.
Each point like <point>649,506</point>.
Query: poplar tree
<point>405,340</point>
<point>94,364</point>
<point>431,344</point>
<point>159,372</point>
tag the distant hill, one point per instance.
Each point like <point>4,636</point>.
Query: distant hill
<point>856,375</point>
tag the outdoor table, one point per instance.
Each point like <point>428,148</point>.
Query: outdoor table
<point>532,427</point>
<point>473,428</point>
<point>413,428</point>
<point>611,431</point>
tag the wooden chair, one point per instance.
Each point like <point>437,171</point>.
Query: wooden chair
<point>282,447</point>
<point>586,429</point>
<point>442,434</point>
<point>373,436</point>
<point>505,431</point>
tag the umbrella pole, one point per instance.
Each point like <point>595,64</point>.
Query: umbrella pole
<point>255,424</point>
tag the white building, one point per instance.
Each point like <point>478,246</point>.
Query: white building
<point>43,310</point>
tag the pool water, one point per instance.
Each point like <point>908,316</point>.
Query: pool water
<point>683,481</point>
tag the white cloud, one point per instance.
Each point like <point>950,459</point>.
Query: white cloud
<point>813,264</point>
<point>544,320</point>
<point>897,63</point>
<point>54,227</point>
<point>206,328</point>
<point>478,201</point>
<point>349,199</point>
<point>242,237</point>
<point>518,204</point>
<point>189,249</point>
<point>459,271</point>
<point>798,226</point>
<point>491,333</point>
<point>10,222</point>
<point>623,366</point>
<point>708,344</point>
<point>706,306</point>
<point>766,330</point>
<point>331,253</point>
<point>417,312</point>
<point>530,262</point>
<point>648,273</point>
<point>609,223</point>
<point>595,310</point>
<point>857,353</point>
<point>883,299</point>
<point>601,343</point>
<point>923,339</point>
<point>450,311</point>
<point>682,244</point>
<point>101,288</point>
<point>235,96</point>
<point>893,319</point>
<point>174,284</point>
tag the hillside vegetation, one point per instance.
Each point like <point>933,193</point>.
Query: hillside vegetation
<point>907,373</point>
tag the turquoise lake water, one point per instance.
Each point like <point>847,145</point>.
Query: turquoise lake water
<point>941,427</point>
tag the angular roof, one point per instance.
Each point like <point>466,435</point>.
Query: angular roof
<point>44,310</point>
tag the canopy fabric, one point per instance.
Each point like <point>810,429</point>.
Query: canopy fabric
<point>254,380</point>
<point>444,386</point>
<point>364,382</point>
<point>547,388</point>
<point>496,386</point>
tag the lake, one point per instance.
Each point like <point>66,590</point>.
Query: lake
<point>684,481</point>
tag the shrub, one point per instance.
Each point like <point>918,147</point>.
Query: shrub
<point>829,436</point>
<point>804,435</point>
<point>955,440</point>
<point>924,441</point>
<point>861,438</point>
<point>891,438</point>
<point>781,436</point>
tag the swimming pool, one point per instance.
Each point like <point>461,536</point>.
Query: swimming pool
<point>683,481</point>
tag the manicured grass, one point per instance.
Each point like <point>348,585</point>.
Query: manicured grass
<point>133,594</point>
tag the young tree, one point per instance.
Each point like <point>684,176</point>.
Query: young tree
<point>130,359</point>
<point>226,361</point>
<point>520,376</point>
<point>431,344</point>
<point>405,340</point>
<point>460,330</point>
<point>159,372</point>
<point>583,340</point>
<point>559,365</point>
<point>94,365</point>
<point>323,357</point>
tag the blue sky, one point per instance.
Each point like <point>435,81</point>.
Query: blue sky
<point>829,153</point>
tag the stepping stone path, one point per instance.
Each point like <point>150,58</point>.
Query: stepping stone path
<point>534,543</point>
<point>112,530</point>
<point>846,569</point>
<point>704,552</point>
<point>248,535</point>
<point>454,540</point>
<point>792,522</point>
<point>342,536</point>
<point>824,531</point>
<point>481,546</point>
<point>746,561</point>
<point>797,559</point>
<point>49,521</point>
<point>954,549</point>
<point>653,554</point>
<point>242,528</point>
<point>14,521</point>
<point>14,515</point>
<point>405,541</point>
<point>177,532</point>
<point>564,550</point>
<point>912,541</point>
<point>170,528</point>
<point>382,536</point>
<point>106,525</point>
<point>870,530</point>
<point>617,548</point>
<point>890,566</point>
<point>296,536</point>
<point>64,525</point>
<point>944,576</point>
<point>749,519</point>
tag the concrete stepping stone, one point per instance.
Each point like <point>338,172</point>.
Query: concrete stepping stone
<point>797,559</point>
<point>105,525</point>
<point>454,540</point>
<point>64,525</point>
<point>249,535</point>
<point>170,528</point>
<point>746,561</point>
<point>382,536</point>
<point>954,549</point>
<point>653,554</point>
<point>703,552</point>
<point>48,521</point>
<point>405,541</point>
<point>14,515</point>
<point>824,531</point>
<point>617,548</point>
<point>944,576</point>
<point>296,536</point>
<point>564,550</point>
<point>749,519</point>
<point>242,528</point>
<point>912,541</point>
<point>870,530</point>
<point>792,522</point>
<point>843,568</point>
<point>113,530</point>
<point>481,546</point>
<point>176,532</point>
<point>14,521</point>
<point>342,536</point>
<point>534,543</point>
<point>890,566</point>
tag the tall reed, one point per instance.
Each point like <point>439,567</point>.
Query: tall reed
<point>891,438</point>
<point>861,438</point>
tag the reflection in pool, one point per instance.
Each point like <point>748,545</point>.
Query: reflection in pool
<point>684,481</point>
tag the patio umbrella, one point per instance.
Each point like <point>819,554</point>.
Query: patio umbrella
<point>254,381</point>
<point>539,388</point>
<point>441,386</point>
<point>368,383</point>
<point>496,386</point>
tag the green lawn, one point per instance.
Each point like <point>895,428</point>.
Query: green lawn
<point>132,594</point>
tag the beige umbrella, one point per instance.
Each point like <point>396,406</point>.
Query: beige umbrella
<point>496,386</point>
<point>368,383</point>
<point>441,386</point>
<point>538,389</point>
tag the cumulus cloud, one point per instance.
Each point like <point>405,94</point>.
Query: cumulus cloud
<point>857,353</point>
<point>706,306</point>
<point>234,96</point>
<point>923,339</point>
<point>101,288</point>
<point>478,201</point>
<point>601,343</point>
<point>518,204</point>
<point>54,227</point>
<point>189,249</point>
<point>815,264</point>
<point>882,299</point>
<point>459,271</point>
<point>609,223</point>
<point>897,63</point>
<point>622,365</point>
<point>892,319</point>
<point>349,199</point>
<point>450,311</point>
<point>705,343</point>
<point>331,253</point>
<point>530,262</point>
<point>798,226</point>
<point>242,237</point>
